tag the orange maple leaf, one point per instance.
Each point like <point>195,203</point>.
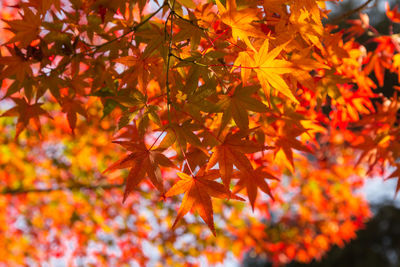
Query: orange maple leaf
<point>253,179</point>
<point>396,174</point>
<point>26,113</point>
<point>243,61</point>
<point>142,161</point>
<point>72,107</point>
<point>16,65</point>
<point>394,14</point>
<point>139,68</point>
<point>236,106</point>
<point>288,140</point>
<point>232,152</point>
<point>240,21</point>
<point>198,192</point>
<point>26,29</point>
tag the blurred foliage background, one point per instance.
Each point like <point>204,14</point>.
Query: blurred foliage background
<point>379,243</point>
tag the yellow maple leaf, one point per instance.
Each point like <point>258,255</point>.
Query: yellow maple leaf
<point>240,21</point>
<point>269,70</point>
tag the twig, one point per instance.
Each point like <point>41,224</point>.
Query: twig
<point>132,29</point>
<point>349,13</point>
<point>191,22</point>
<point>188,60</point>
<point>171,18</point>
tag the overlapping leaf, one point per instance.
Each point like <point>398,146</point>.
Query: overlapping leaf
<point>26,29</point>
<point>236,106</point>
<point>240,21</point>
<point>142,162</point>
<point>252,180</point>
<point>232,153</point>
<point>198,192</point>
<point>26,113</point>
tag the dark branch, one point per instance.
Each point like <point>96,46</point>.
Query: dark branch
<point>20,191</point>
<point>349,13</point>
<point>171,18</point>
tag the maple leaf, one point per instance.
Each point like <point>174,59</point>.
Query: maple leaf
<point>142,161</point>
<point>44,5</point>
<point>304,65</point>
<point>274,6</point>
<point>236,105</point>
<point>394,14</point>
<point>72,107</point>
<point>168,70</point>
<point>240,21</point>
<point>396,174</point>
<point>312,9</point>
<point>154,37</point>
<point>232,152</point>
<point>139,69</point>
<point>26,113</point>
<point>305,19</point>
<point>189,30</point>
<point>188,3</point>
<point>198,192</point>
<point>243,61</point>
<point>287,140</point>
<point>378,64</point>
<point>26,29</point>
<point>269,70</point>
<point>16,65</point>
<point>252,180</point>
<point>359,26</point>
<point>168,140</point>
<point>181,135</point>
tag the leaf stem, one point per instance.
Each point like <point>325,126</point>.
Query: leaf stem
<point>158,137</point>
<point>187,60</point>
<point>187,162</point>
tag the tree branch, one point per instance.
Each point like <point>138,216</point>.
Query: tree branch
<point>171,18</point>
<point>349,13</point>
<point>20,191</point>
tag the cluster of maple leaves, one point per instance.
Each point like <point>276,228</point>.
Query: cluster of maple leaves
<point>234,100</point>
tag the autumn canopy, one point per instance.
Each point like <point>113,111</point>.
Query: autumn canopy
<point>189,131</point>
